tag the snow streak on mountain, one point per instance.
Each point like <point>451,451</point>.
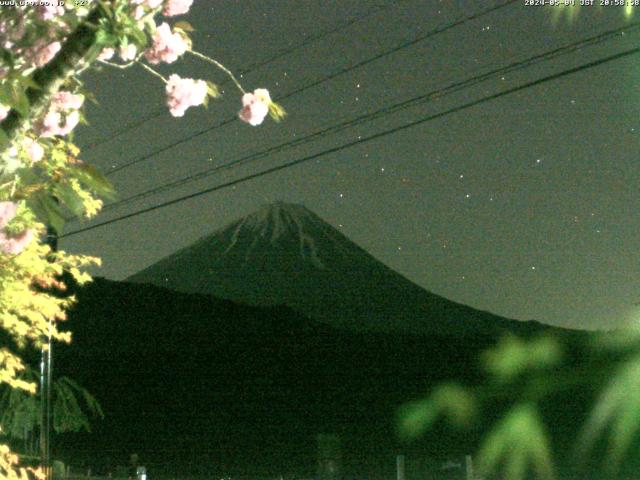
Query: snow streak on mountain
<point>284,254</point>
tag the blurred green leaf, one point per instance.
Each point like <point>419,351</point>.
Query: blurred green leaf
<point>517,443</point>
<point>628,10</point>
<point>19,100</point>
<point>618,407</point>
<point>513,356</point>
<point>276,111</point>
<point>69,198</point>
<point>186,26</point>
<point>212,89</point>
<point>4,140</point>
<point>5,94</point>
<point>451,401</point>
<point>31,83</point>
<point>94,179</point>
<point>47,210</point>
<point>140,37</point>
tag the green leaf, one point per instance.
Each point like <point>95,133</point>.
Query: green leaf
<point>93,179</point>
<point>105,39</point>
<point>47,210</point>
<point>276,111</point>
<point>212,89</point>
<point>19,100</point>
<point>517,442</point>
<point>31,83</point>
<point>186,26</point>
<point>5,94</point>
<point>6,57</point>
<point>4,140</point>
<point>619,408</point>
<point>139,37</point>
<point>449,400</point>
<point>512,356</point>
<point>108,11</point>
<point>69,198</point>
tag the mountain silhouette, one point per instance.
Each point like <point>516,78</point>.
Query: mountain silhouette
<point>284,254</point>
<point>206,385</point>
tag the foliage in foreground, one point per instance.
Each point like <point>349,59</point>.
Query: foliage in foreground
<point>528,380</point>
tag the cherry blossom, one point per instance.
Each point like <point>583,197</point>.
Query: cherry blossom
<point>183,93</point>
<point>139,12</point>
<point>33,149</point>
<point>12,244</point>
<point>167,46</point>
<point>64,100</point>
<point>48,11</point>
<point>8,210</point>
<point>42,52</point>
<point>255,106</point>
<point>15,244</point>
<point>151,4</point>
<point>62,116</point>
<point>176,7</point>
<point>106,54</point>
<point>4,111</point>
<point>12,31</point>
<point>128,53</point>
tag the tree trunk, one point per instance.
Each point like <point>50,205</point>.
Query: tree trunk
<point>79,49</point>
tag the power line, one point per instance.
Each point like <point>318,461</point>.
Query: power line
<point>375,136</point>
<point>283,53</point>
<point>452,88</point>
<point>314,83</point>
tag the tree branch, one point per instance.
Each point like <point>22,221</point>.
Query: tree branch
<point>78,49</point>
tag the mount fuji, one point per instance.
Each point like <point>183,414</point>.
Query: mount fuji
<point>284,254</point>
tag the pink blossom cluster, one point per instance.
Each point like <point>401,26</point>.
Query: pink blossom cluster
<point>49,10</point>
<point>12,30</point>
<point>255,106</point>
<point>32,51</point>
<point>176,7</point>
<point>12,244</point>
<point>144,6</point>
<point>62,116</point>
<point>167,46</point>
<point>106,53</point>
<point>150,4</point>
<point>42,51</point>
<point>183,93</point>
<point>33,149</point>
<point>127,53</point>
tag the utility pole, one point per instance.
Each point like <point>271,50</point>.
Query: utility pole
<point>400,467</point>
<point>46,359</point>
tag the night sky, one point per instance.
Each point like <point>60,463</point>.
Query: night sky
<point>524,205</point>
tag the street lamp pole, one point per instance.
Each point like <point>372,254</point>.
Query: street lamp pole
<point>45,380</point>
